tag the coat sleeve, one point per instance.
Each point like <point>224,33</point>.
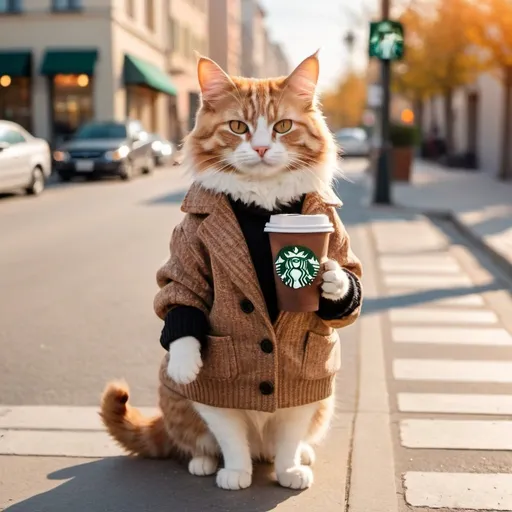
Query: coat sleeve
<point>348,309</point>
<point>184,279</point>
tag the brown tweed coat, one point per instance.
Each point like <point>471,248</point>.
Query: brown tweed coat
<point>210,268</point>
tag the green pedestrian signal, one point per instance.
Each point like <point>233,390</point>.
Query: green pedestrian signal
<point>386,40</point>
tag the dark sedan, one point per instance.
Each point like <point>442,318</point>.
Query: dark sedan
<point>105,149</point>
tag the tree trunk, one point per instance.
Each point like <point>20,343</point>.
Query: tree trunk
<point>504,173</point>
<point>448,121</point>
<point>418,107</point>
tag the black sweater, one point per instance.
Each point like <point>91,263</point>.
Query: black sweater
<point>188,321</point>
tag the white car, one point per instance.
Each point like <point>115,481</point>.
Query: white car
<point>353,142</point>
<point>25,161</point>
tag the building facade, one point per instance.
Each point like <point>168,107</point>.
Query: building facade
<point>64,62</point>
<point>253,39</point>
<point>225,34</point>
<point>276,63</point>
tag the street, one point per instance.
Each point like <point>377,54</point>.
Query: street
<point>423,396</point>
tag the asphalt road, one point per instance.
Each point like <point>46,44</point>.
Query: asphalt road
<point>77,282</point>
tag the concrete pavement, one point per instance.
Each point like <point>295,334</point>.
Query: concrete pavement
<point>479,203</point>
<point>422,399</point>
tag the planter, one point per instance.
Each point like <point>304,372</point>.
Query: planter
<point>402,159</point>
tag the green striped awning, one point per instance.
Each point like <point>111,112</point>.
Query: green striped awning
<point>69,62</point>
<point>141,72</point>
<point>15,63</point>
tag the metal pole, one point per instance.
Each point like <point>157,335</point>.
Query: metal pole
<point>382,189</point>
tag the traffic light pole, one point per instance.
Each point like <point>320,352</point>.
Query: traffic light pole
<point>382,188</point>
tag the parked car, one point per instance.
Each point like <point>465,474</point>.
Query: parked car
<point>353,142</point>
<point>25,161</point>
<point>105,148</point>
<point>164,151</point>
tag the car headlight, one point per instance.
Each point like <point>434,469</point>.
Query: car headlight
<point>61,156</point>
<point>156,145</point>
<point>166,149</point>
<point>118,154</point>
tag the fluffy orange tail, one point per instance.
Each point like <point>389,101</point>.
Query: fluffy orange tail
<point>138,435</point>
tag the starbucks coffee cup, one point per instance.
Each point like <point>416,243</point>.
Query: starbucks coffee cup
<point>299,246</point>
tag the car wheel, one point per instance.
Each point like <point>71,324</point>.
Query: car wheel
<point>149,166</point>
<point>37,183</point>
<point>127,172</point>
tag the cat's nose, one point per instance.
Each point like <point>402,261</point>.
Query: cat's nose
<point>261,150</point>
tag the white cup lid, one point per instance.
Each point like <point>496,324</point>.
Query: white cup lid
<point>297,223</point>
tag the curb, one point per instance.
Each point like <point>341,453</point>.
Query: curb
<point>500,260</point>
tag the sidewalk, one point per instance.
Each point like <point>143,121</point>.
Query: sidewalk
<point>480,204</point>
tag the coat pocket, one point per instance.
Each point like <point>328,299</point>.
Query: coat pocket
<point>322,356</point>
<point>219,359</point>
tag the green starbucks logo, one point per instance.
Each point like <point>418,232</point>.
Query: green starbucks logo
<point>297,266</point>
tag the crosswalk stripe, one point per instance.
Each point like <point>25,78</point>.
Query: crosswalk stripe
<point>452,371</point>
<point>415,281</point>
<point>453,316</point>
<point>457,491</point>
<point>445,403</point>
<point>420,268</point>
<point>456,434</point>
<point>489,336</point>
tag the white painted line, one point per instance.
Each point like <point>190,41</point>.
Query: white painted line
<point>55,417</point>
<point>422,282</point>
<point>456,434</point>
<point>58,443</point>
<point>420,268</point>
<point>420,259</point>
<point>457,491</point>
<point>487,336</point>
<point>452,371</point>
<point>455,403</point>
<point>451,316</point>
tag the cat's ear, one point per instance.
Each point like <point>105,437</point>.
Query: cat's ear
<point>303,79</point>
<point>214,82</point>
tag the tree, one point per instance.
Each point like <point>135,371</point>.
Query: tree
<point>439,55</point>
<point>344,105</point>
<point>493,33</point>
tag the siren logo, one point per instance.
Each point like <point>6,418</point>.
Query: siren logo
<point>297,266</point>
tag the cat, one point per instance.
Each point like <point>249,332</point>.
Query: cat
<point>263,143</point>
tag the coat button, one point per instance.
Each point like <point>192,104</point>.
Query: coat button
<point>266,388</point>
<point>247,306</point>
<point>267,346</point>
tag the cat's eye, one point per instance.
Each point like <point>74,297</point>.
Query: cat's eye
<point>283,126</point>
<point>238,127</point>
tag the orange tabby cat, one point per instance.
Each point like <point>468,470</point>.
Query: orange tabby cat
<point>263,143</point>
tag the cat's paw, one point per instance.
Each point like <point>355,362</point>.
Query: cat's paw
<point>335,282</point>
<point>185,360</point>
<point>307,455</point>
<point>299,477</point>
<point>233,479</point>
<point>202,465</point>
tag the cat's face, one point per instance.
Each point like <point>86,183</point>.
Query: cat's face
<point>259,130</point>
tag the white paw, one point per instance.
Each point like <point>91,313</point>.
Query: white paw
<point>184,360</point>
<point>299,477</point>
<point>202,466</point>
<point>307,455</point>
<point>233,479</point>
<point>335,283</point>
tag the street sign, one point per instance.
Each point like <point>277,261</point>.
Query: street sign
<point>374,96</point>
<point>386,40</point>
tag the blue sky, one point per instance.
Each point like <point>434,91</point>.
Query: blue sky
<point>303,26</point>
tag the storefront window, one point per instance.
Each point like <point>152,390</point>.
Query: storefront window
<point>15,100</point>
<point>72,104</point>
<point>141,106</point>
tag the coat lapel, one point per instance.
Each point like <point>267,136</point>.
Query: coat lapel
<point>221,233</point>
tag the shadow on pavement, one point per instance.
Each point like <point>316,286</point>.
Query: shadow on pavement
<point>405,300</point>
<point>173,198</point>
<point>124,484</point>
